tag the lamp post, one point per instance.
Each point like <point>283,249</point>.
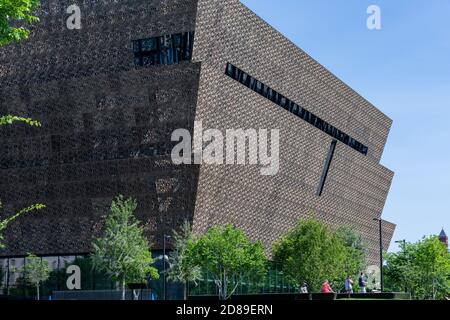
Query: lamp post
<point>164,265</point>
<point>402,242</point>
<point>381,252</point>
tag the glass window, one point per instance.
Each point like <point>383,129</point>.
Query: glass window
<point>364,150</point>
<point>276,97</point>
<point>244,79</point>
<point>149,44</point>
<point>136,46</point>
<point>319,123</point>
<point>264,90</point>
<point>177,40</point>
<point>292,107</point>
<point>138,61</point>
<point>169,55</point>
<point>326,168</point>
<point>3,274</point>
<point>147,61</point>
<point>346,139</point>
<point>188,45</point>
<point>52,262</point>
<point>237,74</point>
<point>259,87</point>
<point>167,49</point>
<point>15,266</point>
<point>65,261</point>
<point>230,69</point>
<point>270,94</point>
<point>252,84</point>
<point>241,76</point>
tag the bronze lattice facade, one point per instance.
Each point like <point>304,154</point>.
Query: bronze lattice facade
<point>109,104</point>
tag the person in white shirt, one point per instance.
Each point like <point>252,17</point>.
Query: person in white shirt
<point>304,288</point>
<point>349,285</point>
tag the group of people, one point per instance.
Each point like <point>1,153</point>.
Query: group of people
<point>362,282</point>
<point>326,286</point>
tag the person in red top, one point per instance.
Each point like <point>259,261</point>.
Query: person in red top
<point>326,288</point>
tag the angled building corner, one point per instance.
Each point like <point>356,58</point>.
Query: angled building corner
<point>238,51</point>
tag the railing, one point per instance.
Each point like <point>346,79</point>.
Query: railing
<point>144,294</point>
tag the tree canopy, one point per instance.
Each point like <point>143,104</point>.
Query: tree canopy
<point>35,271</point>
<point>16,16</point>
<point>182,265</point>
<point>312,253</point>
<point>421,268</point>
<point>226,253</point>
<point>123,252</point>
<point>355,251</point>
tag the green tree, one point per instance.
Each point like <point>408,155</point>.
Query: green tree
<point>35,271</point>
<point>312,252</point>
<point>123,252</point>
<point>13,12</point>
<point>182,267</point>
<point>4,223</point>
<point>422,268</point>
<point>433,261</point>
<point>226,253</point>
<point>355,251</point>
<point>399,271</point>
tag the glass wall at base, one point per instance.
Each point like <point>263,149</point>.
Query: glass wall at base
<point>274,281</point>
<point>90,284</point>
<point>95,285</point>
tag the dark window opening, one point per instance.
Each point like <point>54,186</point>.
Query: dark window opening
<point>164,50</point>
<point>326,168</point>
<point>259,87</point>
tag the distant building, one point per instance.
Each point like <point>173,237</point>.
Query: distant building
<point>443,237</point>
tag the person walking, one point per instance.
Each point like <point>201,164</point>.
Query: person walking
<point>362,283</point>
<point>304,288</point>
<point>349,285</point>
<point>326,288</point>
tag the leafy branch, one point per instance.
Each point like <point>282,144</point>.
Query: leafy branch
<point>10,119</point>
<point>12,12</point>
<point>4,223</point>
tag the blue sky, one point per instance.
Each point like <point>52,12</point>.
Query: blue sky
<point>404,70</point>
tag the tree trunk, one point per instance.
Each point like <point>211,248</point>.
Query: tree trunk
<point>37,291</point>
<point>185,290</point>
<point>434,289</point>
<point>225,288</point>
<point>123,289</point>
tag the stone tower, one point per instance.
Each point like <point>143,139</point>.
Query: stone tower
<point>443,237</point>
